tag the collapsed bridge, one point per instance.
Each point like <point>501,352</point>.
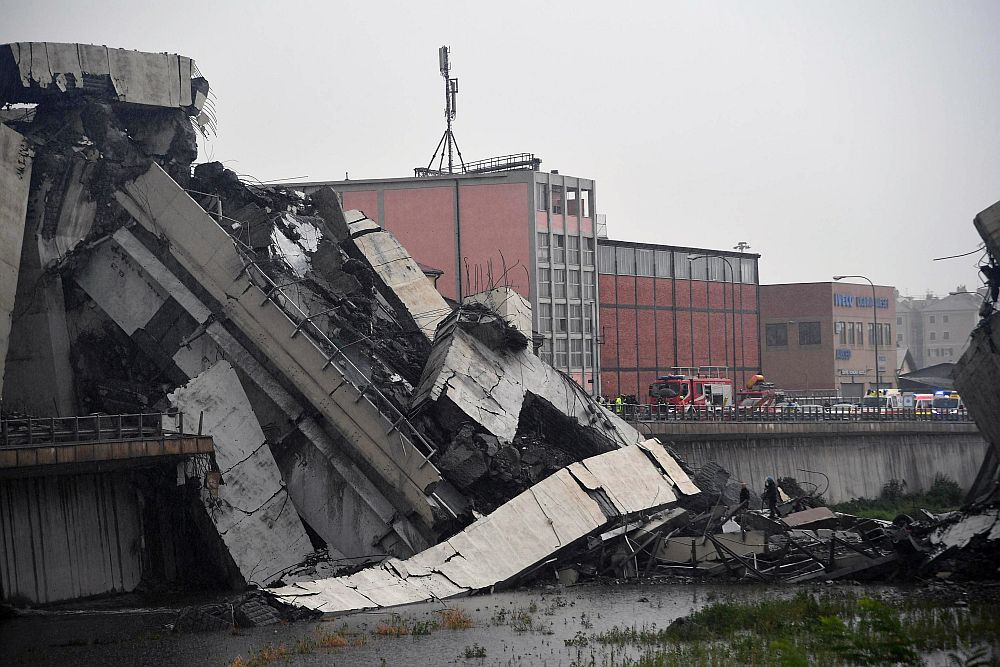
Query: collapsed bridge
<point>351,408</point>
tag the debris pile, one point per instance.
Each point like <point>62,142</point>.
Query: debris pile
<point>352,409</point>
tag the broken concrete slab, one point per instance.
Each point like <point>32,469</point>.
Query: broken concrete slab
<point>508,304</point>
<point>15,179</point>
<point>330,492</point>
<point>400,277</point>
<point>250,508</point>
<point>491,389</point>
<point>35,71</point>
<point>376,432</point>
<point>527,530</point>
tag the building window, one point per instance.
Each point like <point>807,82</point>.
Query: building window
<point>809,333</point>
<point>840,330</point>
<point>573,250</point>
<point>544,283</point>
<point>944,319</point>
<point>951,352</point>
<point>776,335</point>
<point>933,336</point>
<point>542,246</point>
<point>859,328</point>
<point>559,283</point>
<point>545,317</point>
<point>643,262</point>
<point>748,271</point>
<point>716,269</point>
<point>606,259</point>
<point>558,249</point>
<point>871,333</point>
<point>625,260</point>
<point>572,202</point>
<point>886,333</point>
<point>546,351</point>
<point>899,321</point>
<point>850,333</point>
<point>574,283</point>
<point>585,197</point>
<point>699,268</point>
<point>588,356</point>
<point>681,265</point>
<point>662,264</point>
<point>587,319</point>
<point>932,319</point>
<point>588,251</point>
<point>557,199</point>
<point>589,286</point>
<point>899,339</point>
<point>559,358</point>
<point>575,318</point>
<point>946,335</point>
<point>576,353</point>
<point>542,196</point>
<point>560,319</point>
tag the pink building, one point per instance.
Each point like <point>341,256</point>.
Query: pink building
<point>531,230</point>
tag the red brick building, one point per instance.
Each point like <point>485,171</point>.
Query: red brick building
<point>821,337</point>
<point>663,307</point>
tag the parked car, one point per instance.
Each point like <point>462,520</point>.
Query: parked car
<point>843,411</point>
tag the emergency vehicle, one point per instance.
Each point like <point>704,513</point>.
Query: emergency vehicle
<point>923,404</point>
<point>946,403</point>
<point>885,401</point>
<point>759,394</point>
<point>693,387</point>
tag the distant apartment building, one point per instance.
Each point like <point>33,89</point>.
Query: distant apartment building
<point>936,330</point>
<point>822,337</point>
<point>664,307</point>
<point>531,230</point>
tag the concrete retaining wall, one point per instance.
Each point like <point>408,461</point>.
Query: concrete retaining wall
<point>69,536</point>
<point>858,457</point>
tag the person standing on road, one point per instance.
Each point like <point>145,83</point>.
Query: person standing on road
<point>618,404</point>
<point>770,496</point>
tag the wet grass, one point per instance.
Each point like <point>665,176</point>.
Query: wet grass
<point>397,626</point>
<point>455,619</point>
<point>270,654</point>
<point>807,629</point>
<point>944,495</point>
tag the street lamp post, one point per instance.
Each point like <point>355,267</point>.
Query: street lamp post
<point>732,291</point>
<point>878,374</point>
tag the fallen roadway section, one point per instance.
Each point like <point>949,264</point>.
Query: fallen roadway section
<point>526,533</point>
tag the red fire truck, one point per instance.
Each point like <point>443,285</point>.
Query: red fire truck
<point>693,387</point>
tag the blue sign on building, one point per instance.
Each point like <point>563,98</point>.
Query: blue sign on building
<point>843,353</point>
<point>851,301</point>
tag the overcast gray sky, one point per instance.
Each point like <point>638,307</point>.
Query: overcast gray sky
<point>840,137</point>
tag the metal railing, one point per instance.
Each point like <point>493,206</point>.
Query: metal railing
<point>46,431</point>
<point>333,354</point>
<point>801,413</point>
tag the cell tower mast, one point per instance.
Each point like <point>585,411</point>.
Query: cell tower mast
<point>448,143</point>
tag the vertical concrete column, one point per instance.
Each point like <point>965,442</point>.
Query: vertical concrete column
<point>15,179</point>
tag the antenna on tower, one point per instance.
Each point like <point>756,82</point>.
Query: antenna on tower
<point>448,144</point>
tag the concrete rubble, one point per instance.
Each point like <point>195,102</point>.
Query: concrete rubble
<point>524,533</point>
<point>332,376</point>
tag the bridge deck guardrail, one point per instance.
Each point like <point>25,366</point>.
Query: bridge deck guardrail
<point>47,431</point>
<point>802,413</point>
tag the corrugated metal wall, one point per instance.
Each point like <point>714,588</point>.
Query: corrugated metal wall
<point>69,536</point>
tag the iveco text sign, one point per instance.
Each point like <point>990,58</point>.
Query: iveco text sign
<point>851,301</point>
